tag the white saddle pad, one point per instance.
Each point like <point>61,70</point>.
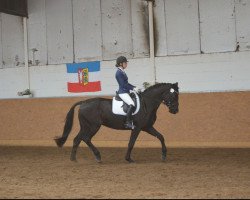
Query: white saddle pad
<point>118,109</point>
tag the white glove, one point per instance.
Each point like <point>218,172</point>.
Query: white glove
<point>137,90</point>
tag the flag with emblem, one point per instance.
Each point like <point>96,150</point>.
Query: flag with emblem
<point>84,77</point>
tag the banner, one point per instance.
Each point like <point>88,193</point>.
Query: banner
<point>84,77</point>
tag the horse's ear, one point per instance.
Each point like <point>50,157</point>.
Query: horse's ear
<point>176,86</point>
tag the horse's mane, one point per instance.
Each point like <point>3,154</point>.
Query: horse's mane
<point>156,86</point>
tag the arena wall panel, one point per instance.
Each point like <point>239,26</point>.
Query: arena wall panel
<point>59,31</point>
<point>87,33</point>
<point>217,26</point>
<point>206,72</point>
<point>194,73</point>
<point>182,29</point>
<point>12,41</point>
<point>1,45</point>
<point>37,33</point>
<point>242,11</point>
<point>204,120</point>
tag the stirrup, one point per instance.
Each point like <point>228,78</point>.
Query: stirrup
<point>129,125</point>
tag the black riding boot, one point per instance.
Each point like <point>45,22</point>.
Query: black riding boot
<point>129,122</point>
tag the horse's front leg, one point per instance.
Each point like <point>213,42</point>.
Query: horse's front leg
<point>155,133</point>
<point>133,137</point>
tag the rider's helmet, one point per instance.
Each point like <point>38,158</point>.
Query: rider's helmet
<point>120,59</point>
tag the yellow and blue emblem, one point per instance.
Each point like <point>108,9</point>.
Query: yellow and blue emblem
<point>83,76</point>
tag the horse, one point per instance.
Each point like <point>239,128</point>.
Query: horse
<point>95,112</point>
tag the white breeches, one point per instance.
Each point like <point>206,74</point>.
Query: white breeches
<point>126,98</point>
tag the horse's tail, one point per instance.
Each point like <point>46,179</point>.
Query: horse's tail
<point>68,126</point>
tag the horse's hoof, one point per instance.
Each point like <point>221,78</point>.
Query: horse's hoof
<point>163,158</point>
<point>130,160</point>
<point>73,159</point>
<point>98,158</point>
<point>98,161</point>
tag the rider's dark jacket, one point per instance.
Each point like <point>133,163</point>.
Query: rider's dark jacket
<point>122,80</point>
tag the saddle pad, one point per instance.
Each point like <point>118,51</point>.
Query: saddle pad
<point>117,106</point>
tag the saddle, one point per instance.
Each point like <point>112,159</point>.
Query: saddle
<point>119,107</point>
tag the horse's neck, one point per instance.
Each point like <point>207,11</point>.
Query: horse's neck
<point>153,99</point>
<point>155,94</point>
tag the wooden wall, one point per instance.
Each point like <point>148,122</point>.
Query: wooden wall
<point>205,119</point>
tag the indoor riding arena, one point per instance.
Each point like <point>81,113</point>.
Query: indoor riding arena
<point>55,53</point>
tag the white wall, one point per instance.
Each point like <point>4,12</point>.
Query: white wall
<point>64,31</point>
<point>206,72</point>
<point>51,81</point>
<point>11,41</point>
<point>242,8</point>
<point>195,26</point>
<point>217,26</point>
<point>87,40</point>
<point>194,73</point>
<point>182,24</point>
<point>176,27</point>
<point>83,30</point>
<point>1,45</point>
<point>37,29</point>
<point>59,31</point>
<point>12,80</point>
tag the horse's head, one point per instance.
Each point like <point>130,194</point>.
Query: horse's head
<point>167,93</point>
<point>171,98</point>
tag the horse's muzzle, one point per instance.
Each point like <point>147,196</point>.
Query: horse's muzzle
<point>174,111</point>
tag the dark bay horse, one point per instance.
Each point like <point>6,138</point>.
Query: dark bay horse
<point>98,111</point>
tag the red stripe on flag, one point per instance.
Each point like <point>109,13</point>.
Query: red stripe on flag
<point>90,87</point>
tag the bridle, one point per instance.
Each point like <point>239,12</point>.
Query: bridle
<point>168,100</point>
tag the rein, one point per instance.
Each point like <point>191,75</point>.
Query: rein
<point>143,103</point>
<point>157,101</point>
<point>166,101</point>
<point>148,97</point>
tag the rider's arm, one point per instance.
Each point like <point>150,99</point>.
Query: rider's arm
<point>123,82</point>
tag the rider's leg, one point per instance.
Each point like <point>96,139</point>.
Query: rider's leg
<point>129,122</point>
<point>127,99</point>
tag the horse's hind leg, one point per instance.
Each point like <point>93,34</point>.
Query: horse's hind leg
<point>76,142</point>
<point>87,139</point>
<point>95,151</point>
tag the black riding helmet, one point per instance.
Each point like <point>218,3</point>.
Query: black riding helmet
<point>120,59</point>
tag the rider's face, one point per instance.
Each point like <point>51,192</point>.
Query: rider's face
<point>124,65</point>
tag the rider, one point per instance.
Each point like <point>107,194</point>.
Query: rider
<point>124,88</point>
